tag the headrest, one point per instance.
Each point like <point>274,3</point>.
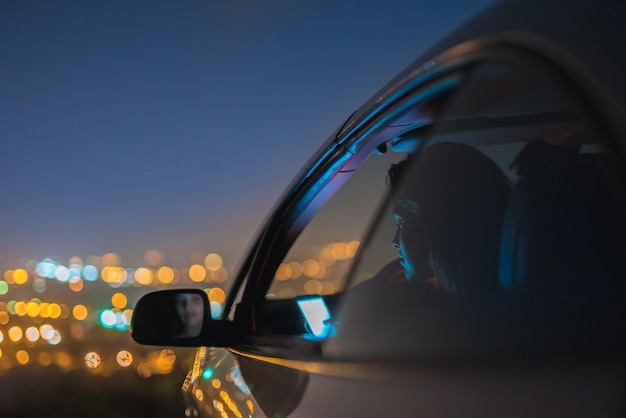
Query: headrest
<point>563,233</point>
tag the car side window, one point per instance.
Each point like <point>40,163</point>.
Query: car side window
<point>509,235</point>
<point>318,261</point>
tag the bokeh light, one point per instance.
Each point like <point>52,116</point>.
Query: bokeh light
<point>32,309</point>
<point>54,337</point>
<point>32,334</point>
<point>90,273</point>
<point>45,331</point>
<point>143,276</point>
<point>124,358</point>
<point>216,294</point>
<point>44,358</point>
<point>75,261</point>
<point>65,311</point>
<point>153,257</point>
<point>62,274</point>
<point>20,276</point>
<point>313,287</point>
<point>22,357</point>
<point>216,309</point>
<point>20,308</point>
<point>108,318</point>
<point>46,269</point>
<point>119,300</point>
<point>39,285</point>
<point>111,260</point>
<point>283,272</point>
<point>63,360</point>
<point>80,312</point>
<point>213,262</point>
<point>165,275</point>
<point>77,332</point>
<point>76,285</point>
<point>217,276</point>
<point>127,315</point>
<point>15,333</point>
<point>4,287</point>
<point>92,360</point>
<point>54,310</point>
<point>197,273</point>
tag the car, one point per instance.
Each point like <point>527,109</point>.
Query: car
<point>456,248</point>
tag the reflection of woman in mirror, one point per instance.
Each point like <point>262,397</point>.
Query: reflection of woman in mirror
<point>190,310</point>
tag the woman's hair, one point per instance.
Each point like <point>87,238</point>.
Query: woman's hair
<point>461,196</point>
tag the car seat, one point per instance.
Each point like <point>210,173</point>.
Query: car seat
<point>563,237</point>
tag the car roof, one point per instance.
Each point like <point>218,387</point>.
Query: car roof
<point>585,38</point>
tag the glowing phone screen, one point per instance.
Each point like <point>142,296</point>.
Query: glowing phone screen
<point>316,314</point>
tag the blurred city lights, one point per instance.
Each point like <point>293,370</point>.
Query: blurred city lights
<point>39,285</point>
<point>22,357</point>
<point>207,373</point>
<point>80,312</point>
<point>90,273</point>
<point>111,260</point>
<point>54,337</point>
<point>62,274</point>
<point>32,334</point>
<point>75,261</point>
<point>15,333</point>
<point>76,285</point>
<point>165,275</point>
<point>197,273</point>
<point>46,331</point>
<point>124,358</point>
<point>143,276</point>
<point>20,276</point>
<point>66,304</point>
<point>216,309</point>
<point>92,360</point>
<point>44,358</point>
<point>213,262</point>
<point>119,300</point>
<point>313,287</point>
<point>153,257</point>
<point>218,295</point>
<point>108,318</point>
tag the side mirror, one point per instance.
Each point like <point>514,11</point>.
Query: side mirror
<point>178,317</point>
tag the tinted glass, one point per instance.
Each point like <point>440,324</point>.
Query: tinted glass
<point>510,231</point>
<point>318,261</point>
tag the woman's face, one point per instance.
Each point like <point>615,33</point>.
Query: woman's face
<point>413,242</point>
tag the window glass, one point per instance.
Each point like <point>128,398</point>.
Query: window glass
<point>509,234</point>
<point>318,261</point>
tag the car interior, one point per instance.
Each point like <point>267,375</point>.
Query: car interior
<point>561,237</point>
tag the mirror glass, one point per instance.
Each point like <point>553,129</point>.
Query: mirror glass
<point>168,316</point>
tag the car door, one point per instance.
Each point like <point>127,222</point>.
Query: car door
<point>517,178</point>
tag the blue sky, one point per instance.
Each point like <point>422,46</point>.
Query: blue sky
<point>131,125</point>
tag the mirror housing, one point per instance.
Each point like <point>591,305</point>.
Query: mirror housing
<point>178,317</point>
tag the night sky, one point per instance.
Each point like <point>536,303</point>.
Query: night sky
<point>175,125</point>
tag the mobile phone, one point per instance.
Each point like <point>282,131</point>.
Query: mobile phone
<point>316,315</point>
